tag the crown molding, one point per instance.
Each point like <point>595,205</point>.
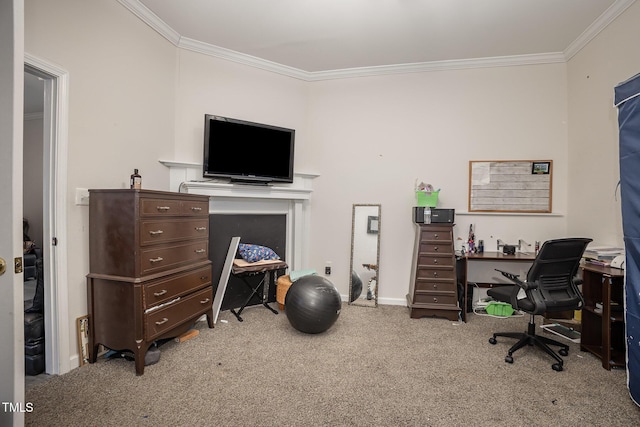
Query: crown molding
<point>151,19</point>
<point>596,27</point>
<point>457,64</point>
<point>231,55</point>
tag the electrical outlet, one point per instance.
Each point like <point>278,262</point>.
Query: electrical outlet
<point>327,270</point>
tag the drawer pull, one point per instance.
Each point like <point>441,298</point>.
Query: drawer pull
<point>435,236</point>
<point>435,300</point>
<point>155,233</point>
<point>196,209</point>
<point>163,208</point>
<point>204,301</point>
<point>204,278</point>
<point>159,294</point>
<point>435,249</point>
<point>152,260</point>
<point>435,286</point>
<point>435,274</point>
<point>162,322</point>
<point>435,261</point>
<point>200,251</point>
<point>201,228</point>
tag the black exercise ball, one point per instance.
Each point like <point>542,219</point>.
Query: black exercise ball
<point>312,304</point>
<point>356,286</point>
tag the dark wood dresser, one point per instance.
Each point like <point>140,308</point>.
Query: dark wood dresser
<point>433,290</point>
<point>150,274</point>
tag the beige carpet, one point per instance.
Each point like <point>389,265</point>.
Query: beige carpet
<point>374,367</point>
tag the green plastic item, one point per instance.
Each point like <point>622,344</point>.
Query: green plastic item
<point>501,309</point>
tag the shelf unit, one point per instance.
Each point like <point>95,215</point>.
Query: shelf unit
<point>603,330</point>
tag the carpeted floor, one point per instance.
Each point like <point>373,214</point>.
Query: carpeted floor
<point>374,367</point>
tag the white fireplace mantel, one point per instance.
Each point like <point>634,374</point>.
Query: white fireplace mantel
<point>224,197</point>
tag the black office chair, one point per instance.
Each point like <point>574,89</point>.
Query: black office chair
<point>550,286</point>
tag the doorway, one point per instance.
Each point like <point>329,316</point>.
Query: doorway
<point>45,197</point>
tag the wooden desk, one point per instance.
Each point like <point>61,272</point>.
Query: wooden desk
<point>603,328</point>
<point>494,257</point>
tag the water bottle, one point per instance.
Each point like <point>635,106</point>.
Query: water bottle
<point>427,215</point>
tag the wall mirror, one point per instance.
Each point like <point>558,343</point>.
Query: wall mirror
<point>365,255</point>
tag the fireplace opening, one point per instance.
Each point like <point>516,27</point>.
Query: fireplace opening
<point>260,229</point>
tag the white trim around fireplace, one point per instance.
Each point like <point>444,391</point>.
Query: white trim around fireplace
<point>224,197</point>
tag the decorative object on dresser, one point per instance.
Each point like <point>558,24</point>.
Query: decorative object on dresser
<point>150,274</point>
<point>433,290</point>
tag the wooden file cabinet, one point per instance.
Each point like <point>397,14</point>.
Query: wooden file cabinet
<point>602,329</point>
<point>150,273</point>
<point>433,290</point>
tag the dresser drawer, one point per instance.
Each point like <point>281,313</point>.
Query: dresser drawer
<point>156,259</point>
<point>159,207</point>
<point>432,273</point>
<point>166,318</point>
<point>163,231</point>
<point>436,298</point>
<point>436,248</point>
<point>435,260</point>
<point>168,288</point>
<point>437,235</point>
<point>436,286</point>
<point>194,208</point>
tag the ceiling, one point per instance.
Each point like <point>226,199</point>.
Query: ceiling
<point>323,39</point>
<point>309,38</point>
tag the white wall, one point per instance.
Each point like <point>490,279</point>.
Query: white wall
<point>121,108</point>
<point>594,167</point>
<point>372,137</point>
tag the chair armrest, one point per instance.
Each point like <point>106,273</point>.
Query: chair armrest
<point>515,278</point>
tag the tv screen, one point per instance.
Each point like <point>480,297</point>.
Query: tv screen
<point>245,151</point>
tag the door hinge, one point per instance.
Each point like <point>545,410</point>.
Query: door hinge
<point>54,241</point>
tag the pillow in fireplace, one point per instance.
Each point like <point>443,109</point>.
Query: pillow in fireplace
<point>253,253</point>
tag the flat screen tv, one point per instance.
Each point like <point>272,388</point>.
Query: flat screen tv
<point>248,152</point>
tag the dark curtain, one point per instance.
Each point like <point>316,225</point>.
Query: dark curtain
<point>627,99</point>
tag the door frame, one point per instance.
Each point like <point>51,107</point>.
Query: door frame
<point>55,249</point>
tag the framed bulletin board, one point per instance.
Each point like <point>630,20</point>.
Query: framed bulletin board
<point>510,186</point>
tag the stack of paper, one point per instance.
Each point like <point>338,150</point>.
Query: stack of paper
<point>602,255</point>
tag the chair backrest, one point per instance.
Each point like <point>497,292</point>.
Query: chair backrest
<point>554,271</point>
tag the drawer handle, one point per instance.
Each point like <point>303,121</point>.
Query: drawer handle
<point>435,261</point>
<point>203,278</point>
<point>154,233</point>
<point>163,208</point>
<point>201,228</point>
<point>435,274</point>
<point>435,300</point>
<point>159,294</point>
<point>196,209</point>
<point>435,286</point>
<point>162,322</point>
<point>435,249</point>
<point>204,301</point>
<point>435,236</point>
<point>200,251</point>
<point>152,260</point>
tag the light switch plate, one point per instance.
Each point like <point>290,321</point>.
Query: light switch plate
<point>82,196</point>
